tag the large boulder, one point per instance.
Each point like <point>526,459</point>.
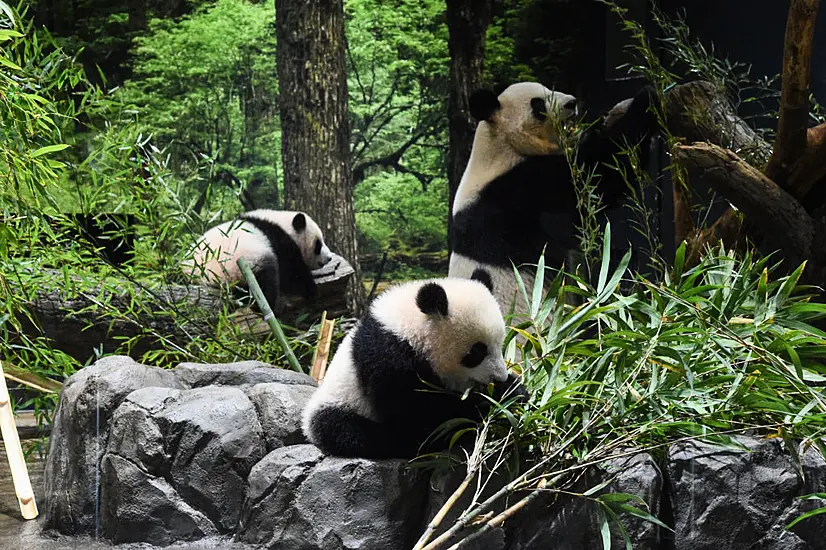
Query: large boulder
<point>742,498</point>
<point>80,433</point>
<point>300,500</point>
<point>279,407</point>
<point>567,522</point>
<point>186,456</point>
<point>242,373</point>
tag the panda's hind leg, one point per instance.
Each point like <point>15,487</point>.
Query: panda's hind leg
<point>266,273</point>
<point>339,432</point>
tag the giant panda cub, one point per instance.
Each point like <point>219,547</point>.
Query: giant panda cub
<point>384,392</point>
<point>517,197</point>
<point>281,247</point>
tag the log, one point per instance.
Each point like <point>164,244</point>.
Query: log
<point>782,218</point>
<point>790,141</point>
<point>170,317</point>
<point>698,111</point>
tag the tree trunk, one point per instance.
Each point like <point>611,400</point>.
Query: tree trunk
<point>467,23</point>
<point>315,145</point>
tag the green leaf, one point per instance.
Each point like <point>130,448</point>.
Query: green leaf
<point>807,515</point>
<point>604,528</point>
<point>49,149</point>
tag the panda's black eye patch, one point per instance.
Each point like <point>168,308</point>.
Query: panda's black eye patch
<point>317,247</point>
<point>538,108</point>
<point>475,355</point>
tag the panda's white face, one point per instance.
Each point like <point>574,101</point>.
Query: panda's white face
<point>457,325</point>
<point>303,230</point>
<point>529,116</point>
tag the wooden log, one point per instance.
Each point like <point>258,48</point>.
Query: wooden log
<point>698,111</point>
<point>790,141</point>
<point>78,323</point>
<point>782,218</point>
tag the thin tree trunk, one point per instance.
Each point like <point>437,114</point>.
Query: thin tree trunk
<point>467,23</point>
<point>315,131</point>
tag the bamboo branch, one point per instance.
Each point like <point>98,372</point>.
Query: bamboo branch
<point>269,316</point>
<point>501,518</point>
<point>14,452</point>
<point>790,142</point>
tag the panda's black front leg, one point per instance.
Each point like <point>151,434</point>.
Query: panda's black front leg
<point>339,432</point>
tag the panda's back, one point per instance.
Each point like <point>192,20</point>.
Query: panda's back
<point>215,257</point>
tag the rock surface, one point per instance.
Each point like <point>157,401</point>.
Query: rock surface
<point>80,435</point>
<point>203,452</point>
<point>300,500</point>
<point>742,499</point>
<point>187,455</point>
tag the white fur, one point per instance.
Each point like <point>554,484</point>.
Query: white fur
<point>216,253</point>
<point>305,240</point>
<point>505,289</point>
<point>339,388</point>
<point>473,316</point>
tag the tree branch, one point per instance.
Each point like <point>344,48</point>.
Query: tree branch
<point>790,142</point>
<point>784,220</point>
<point>811,168</point>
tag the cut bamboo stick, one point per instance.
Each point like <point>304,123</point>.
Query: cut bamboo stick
<point>17,462</point>
<point>322,350</point>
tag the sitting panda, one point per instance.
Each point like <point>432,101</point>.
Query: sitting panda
<point>517,197</point>
<point>281,247</point>
<point>378,399</point>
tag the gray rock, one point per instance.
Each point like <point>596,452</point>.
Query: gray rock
<point>80,434</point>
<point>139,507</point>
<point>299,500</point>
<point>733,499</point>
<point>570,523</point>
<point>279,409</point>
<point>243,373</point>
<point>193,449</point>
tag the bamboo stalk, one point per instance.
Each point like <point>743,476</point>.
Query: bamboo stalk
<point>322,350</point>
<point>17,462</point>
<point>269,316</point>
<point>440,515</point>
<point>39,383</point>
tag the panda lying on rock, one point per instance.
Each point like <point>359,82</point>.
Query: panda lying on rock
<point>400,373</point>
<point>517,197</point>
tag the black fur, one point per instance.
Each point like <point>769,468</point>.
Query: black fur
<point>299,222</point>
<point>483,277</point>
<point>432,299</point>
<point>482,104</point>
<point>533,206</point>
<point>394,378</point>
<point>286,274</point>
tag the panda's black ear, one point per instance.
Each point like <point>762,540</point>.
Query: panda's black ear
<point>483,104</point>
<point>483,277</point>
<point>299,222</point>
<point>432,299</point>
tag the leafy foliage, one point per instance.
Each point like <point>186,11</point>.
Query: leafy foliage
<point>712,351</point>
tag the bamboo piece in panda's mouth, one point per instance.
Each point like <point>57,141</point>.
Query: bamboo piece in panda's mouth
<point>14,452</point>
